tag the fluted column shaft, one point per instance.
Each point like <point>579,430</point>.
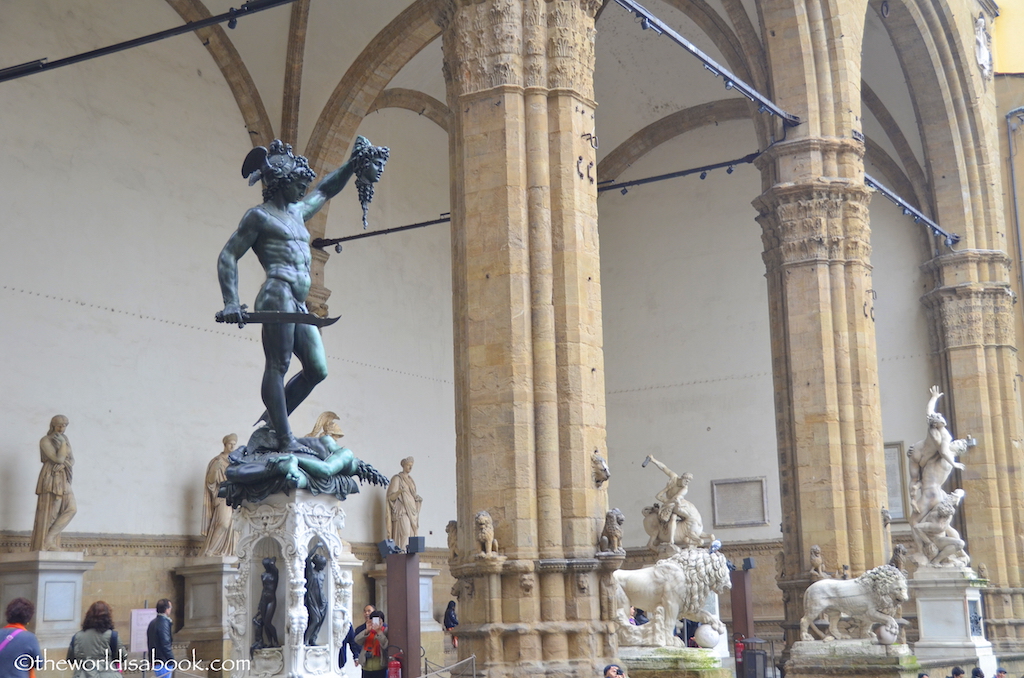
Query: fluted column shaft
<point>527,314</point>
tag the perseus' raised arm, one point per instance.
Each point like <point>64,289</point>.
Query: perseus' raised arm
<point>329,187</point>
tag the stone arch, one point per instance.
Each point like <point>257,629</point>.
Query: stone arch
<point>369,74</point>
<point>944,96</point>
<point>417,102</point>
<point>243,88</point>
<point>667,128</point>
<point>739,45</point>
<point>914,175</point>
<point>353,97</point>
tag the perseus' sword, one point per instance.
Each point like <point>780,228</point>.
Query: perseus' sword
<point>279,318</point>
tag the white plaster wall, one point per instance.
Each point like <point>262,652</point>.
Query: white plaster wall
<point>687,352</point>
<point>121,185</point>
<point>118,182</point>
<point>906,368</point>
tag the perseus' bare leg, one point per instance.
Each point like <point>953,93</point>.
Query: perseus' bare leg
<point>309,349</point>
<point>278,340</point>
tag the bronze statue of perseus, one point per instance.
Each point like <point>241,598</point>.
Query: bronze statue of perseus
<point>276,232</point>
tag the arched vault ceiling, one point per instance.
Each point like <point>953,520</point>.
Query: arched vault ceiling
<point>642,77</point>
<point>669,127</point>
<point>257,121</point>
<point>310,71</point>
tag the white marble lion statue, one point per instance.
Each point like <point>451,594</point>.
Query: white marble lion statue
<point>680,584</point>
<point>869,599</point>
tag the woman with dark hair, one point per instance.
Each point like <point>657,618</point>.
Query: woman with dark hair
<point>16,642</point>
<point>451,621</point>
<point>375,644</point>
<point>96,649</point>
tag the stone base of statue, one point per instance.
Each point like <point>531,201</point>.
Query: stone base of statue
<point>674,662</point>
<point>841,658</point>
<point>205,630</point>
<point>950,616</point>
<point>288,528</point>
<point>53,581</point>
<point>432,636</point>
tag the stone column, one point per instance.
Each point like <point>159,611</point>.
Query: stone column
<point>528,356</point>
<point>824,364</point>
<point>971,311</point>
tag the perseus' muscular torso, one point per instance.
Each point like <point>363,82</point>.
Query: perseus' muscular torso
<point>281,243</point>
<point>282,247</point>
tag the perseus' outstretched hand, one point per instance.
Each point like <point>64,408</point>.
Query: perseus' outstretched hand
<point>369,474</point>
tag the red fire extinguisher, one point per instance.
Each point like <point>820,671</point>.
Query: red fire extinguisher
<point>395,666</point>
<point>738,647</point>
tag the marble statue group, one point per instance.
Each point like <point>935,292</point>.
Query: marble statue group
<point>932,460</point>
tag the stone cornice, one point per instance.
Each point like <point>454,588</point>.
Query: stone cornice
<point>810,146</point>
<point>960,257</point>
<point>168,546</point>
<point>173,546</point>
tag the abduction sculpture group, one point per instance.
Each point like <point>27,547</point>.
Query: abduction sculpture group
<point>932,460</point>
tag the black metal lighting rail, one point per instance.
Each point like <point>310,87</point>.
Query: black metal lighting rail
<point>909,210</point>
<point>703,171</point>
<point>648,20</point>
<point>321,243</point>
<point>231,16</point>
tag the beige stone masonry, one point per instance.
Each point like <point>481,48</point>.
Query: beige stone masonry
<point>528,342</point>
<point>825,371</point>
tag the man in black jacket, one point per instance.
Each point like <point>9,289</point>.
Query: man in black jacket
<point>158,637</point>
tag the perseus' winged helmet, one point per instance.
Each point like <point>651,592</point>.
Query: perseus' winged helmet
<point>275,167</point>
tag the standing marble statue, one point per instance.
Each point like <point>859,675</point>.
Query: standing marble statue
<point>276,232</point>
<point>932,460</point>
<point>403,514</point>
<point>217,517</point>
<point>55,506</point>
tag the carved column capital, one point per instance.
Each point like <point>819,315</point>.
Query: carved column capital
<point>816,222</point>
<point>973,315</point>
<point>519,43</point>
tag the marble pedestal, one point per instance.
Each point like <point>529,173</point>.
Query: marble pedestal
<point>52,580</point>
<point>672,662</point>
<point>842,658</point>
<point>206,606</point>
<point>287,528</point>
<point>659,632</point>
<point>950,617</point>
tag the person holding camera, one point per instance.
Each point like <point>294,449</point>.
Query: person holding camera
<point>374,643</point>
<point>612,671</point>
